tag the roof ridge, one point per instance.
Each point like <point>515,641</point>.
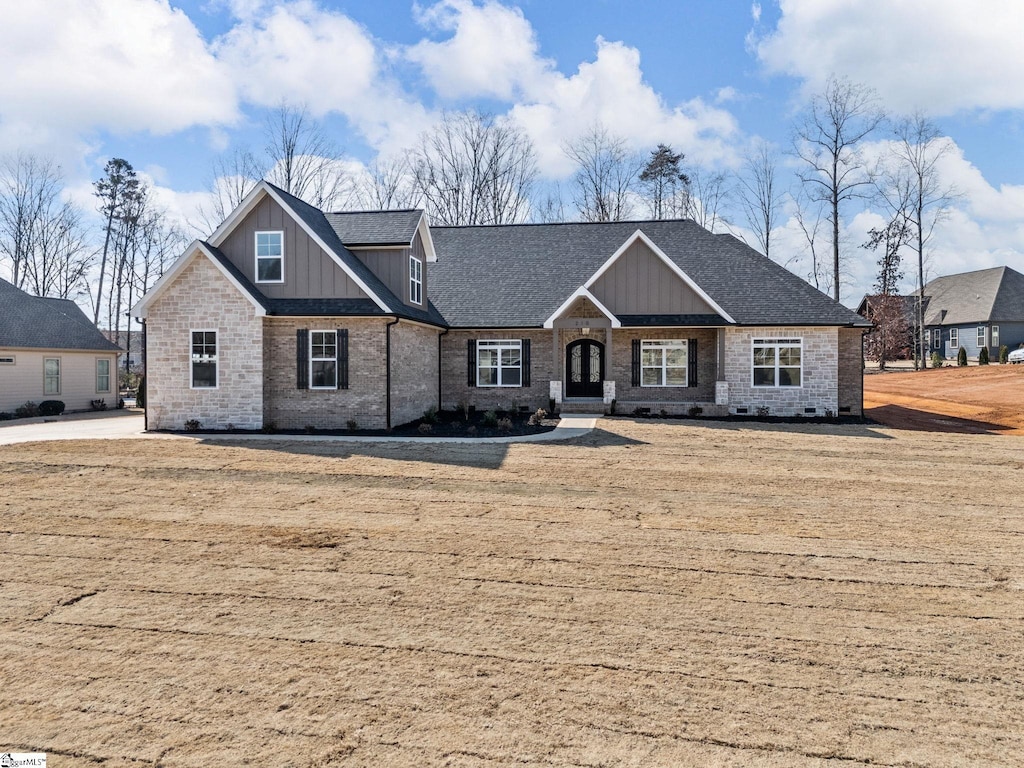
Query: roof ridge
<point>374,210</point>
<point>564,223</point>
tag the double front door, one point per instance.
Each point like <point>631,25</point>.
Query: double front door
<point>584,369</point>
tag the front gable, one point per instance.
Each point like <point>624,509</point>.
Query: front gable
<point>309,271</point>
<point>640,282</point>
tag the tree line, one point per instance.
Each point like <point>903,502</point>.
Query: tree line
<point>476,168</point>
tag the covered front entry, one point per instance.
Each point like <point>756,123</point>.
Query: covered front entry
<point>584,369</point>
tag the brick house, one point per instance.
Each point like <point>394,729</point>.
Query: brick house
<point>292,316</point>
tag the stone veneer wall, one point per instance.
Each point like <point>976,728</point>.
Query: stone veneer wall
<point>201,298</point>
<point>413,371</point>
<point>287,407</point>
<point>454,374</point>
<point>851,371</point>
<point>820,385</point>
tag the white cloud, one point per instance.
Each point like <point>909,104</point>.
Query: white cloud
<point>493,51</point>
<point>937,55</point>
<point>117,65</point>
<point>755,12</point>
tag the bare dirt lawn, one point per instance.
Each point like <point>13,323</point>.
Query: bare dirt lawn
<point>972,400</point>
<point>655,594</point>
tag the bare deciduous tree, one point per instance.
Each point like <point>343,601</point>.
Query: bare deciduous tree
<point>302,159</point>
<point>387,184</point>
<point>708,195</point>
<point>919,148</point>
<point>606,175</point>
<point>233,177</point>
<point>475,169</point>
<point>827,141</point>
<point>759,194</point>
<point>809,217</point>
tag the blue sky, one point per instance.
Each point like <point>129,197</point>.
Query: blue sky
<point>170,85</point>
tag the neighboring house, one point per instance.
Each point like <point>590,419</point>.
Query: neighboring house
<point>984,308</point>
<point>49,350</point>
<point>131,343</point>
<point>293,317</point>
<point>895,322</point>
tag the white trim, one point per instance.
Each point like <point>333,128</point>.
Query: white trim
<point>777,342</point>
<point>242,210</point>
<point>216,362</point>
<point>257,257</point>
<point>499,345</point>
<point>415,281</point>
<point>326,248</point>
<point>683,344</point>
<point>954,339</point>
<point>107,361</point>
<point>994,335</point>
<point>639,235</point>
<point>334,333</point>
<point>60,376</point>
<point>982,337</point>
<point>428,242</point>
<point>195,248</point>
<point>581,292</point>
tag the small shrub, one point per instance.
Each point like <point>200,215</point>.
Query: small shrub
<point>695,411</point>
<point>983,356</point>
<point>505,425</point>
<point>51,408</point>
<point>425,428</point>
<point>829,413</point>
<point>463,408</point>
<point>639,412</point>
<point>762,411</point>
<point>663,413</point>
<point>310,429</point>
<point>352,425</point>
<point>120,403</point>
<point>961,357</point>
<point>537,417</point>
<point>1004,354</point>
<point>6,415</point>
<point>611,408</point>
<point>490,419</point>
<point>230,427</point>
<point>430,415</point>
<point>471,430</point>
<point>193,425</point>
<point>26,410</point>
<point>98,405</point>
<point>269,428</point>
<point>936,360</point>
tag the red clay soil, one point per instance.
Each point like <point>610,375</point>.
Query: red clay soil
<point>972,400</point>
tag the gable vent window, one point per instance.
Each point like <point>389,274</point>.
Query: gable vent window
<point>270,257</point>
<point>415,280</point>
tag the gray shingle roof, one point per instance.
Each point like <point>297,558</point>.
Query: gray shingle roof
<point>985,295</point>
<point>369,228</point>
<point>518,275</point>
<point>44,323</point>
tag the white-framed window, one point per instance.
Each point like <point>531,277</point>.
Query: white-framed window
<point>663,363</point>
<point>270,257</point>
<point>204,360</point>
<point>102,375</point>
<point>7,359</point>
<point>995,335</point>
<point>937,339</point>
<point>982,337</point>
<point>778,362</point>
<point>415,280</point>
<point>954,338</point>
<point>928,338</point>
<point>323,359</point>
<point>499,363</point>
<point>51,375</point>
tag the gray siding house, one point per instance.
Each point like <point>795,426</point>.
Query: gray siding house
<point>984,308</point>
<point>49,350</point>
<point>290,316</point>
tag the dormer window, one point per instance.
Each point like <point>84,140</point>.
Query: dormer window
<point>415,280</point>
<point>270,257</point>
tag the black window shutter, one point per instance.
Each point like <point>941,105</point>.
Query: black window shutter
<point>343,358</point>
<point>302,358</point>
<point>636,362</point>
<point>691,363</point>
<point>471,362</point>
<point>526,362</point>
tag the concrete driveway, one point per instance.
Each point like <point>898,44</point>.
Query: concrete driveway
<point>103,425</point>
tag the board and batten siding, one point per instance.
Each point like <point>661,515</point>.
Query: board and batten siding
<point>391,265</point>
<point>309,272</point>
<point>640,283</point>
<point>22,381</point>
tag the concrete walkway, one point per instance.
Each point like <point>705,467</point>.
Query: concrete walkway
<point>113,425</point>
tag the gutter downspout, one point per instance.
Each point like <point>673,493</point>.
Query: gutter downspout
<point>145,370</point>
<point>439,336</point>
<point>387,368</point>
